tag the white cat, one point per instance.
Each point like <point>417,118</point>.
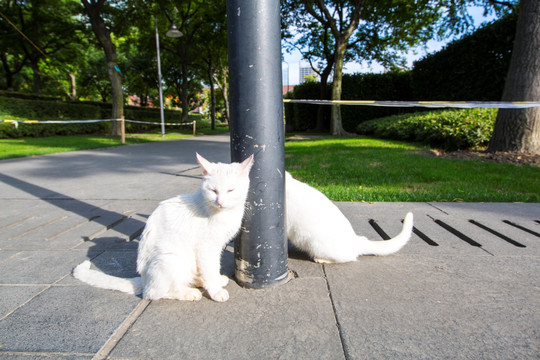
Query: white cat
<point>316,226</point>
<point>181,245</point>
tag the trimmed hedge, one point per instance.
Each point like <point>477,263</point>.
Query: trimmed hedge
<point>472,68</point>
<point>303,117</point>
<point>47,110</point>
<point>16,108</point>
<point>34,108</point>
<point>389,86</point>
<point>447,129</point>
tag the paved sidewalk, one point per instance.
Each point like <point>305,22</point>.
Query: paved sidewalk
<point>465,287</point>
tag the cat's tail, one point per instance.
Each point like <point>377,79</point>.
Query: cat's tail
<point>387,247</point>
<point>104,281</point>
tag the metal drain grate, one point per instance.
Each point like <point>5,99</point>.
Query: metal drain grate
<point>459,234</point>
<point>496,233</point>
<point>522,227</point>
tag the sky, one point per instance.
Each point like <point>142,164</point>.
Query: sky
<point>291,65</point>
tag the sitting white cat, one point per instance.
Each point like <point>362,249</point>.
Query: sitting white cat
<point>181,245</point>
<point>316,226</point>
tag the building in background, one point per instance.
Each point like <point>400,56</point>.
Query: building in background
<point>287,88</point>
<point>306,70</point>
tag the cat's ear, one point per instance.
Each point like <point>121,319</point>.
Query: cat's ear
<point>246,164</point>
<point>206,165</point>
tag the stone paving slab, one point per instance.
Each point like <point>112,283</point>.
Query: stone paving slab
<point>448,300</point>
<point>295,320</point>
<point>438,307</point>
<point>39,266</point>
<point>70,320</point>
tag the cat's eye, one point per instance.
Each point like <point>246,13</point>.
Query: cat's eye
<point>230,190</point>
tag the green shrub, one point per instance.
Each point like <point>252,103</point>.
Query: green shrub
<point>446,129</point>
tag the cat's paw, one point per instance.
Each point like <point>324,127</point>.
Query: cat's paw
<point>220,296</point>
<point>191,295</point>
<point>323,261</point>
<point>224,280</point>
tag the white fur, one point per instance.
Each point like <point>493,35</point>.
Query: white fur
<point>181,245</point>
<point>316,226</point>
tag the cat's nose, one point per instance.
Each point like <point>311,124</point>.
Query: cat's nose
<point>219,202</point>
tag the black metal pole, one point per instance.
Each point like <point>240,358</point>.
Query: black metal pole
<point>256,108</point>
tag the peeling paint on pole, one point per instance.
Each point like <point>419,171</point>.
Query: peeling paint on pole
<point>256,107</point>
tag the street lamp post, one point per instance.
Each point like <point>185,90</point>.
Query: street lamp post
<point>174,33</point>
<point>256,110</point>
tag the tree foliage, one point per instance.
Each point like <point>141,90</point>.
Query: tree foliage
<point>79,63</point>
<point>39,36</point>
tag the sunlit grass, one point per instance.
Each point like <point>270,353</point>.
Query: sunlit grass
<point>364,169</point>
<point>33,146</point>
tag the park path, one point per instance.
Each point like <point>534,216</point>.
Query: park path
<point>466,286</point>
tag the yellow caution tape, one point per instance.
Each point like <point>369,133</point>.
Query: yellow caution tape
<point>430,104</point>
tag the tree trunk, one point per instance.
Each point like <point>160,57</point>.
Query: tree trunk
<point>7,72</point>
<point>225,93</point>
<point>323,95</point>
<point>36,75</point>
<point>184,96</point>
<point>336,127</point>
<point>73,86</point>
<point>212,100</point>
<point>117,95</point>
<point>519,129</point>
<point>104,37</point>
<point>222,85</point>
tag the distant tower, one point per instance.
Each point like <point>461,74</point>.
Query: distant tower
<point>306,70</point>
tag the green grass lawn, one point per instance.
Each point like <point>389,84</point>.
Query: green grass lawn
<point>32,146</point>
<point>13,148</point>
<point>364,169</point>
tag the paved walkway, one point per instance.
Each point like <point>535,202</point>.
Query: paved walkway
<point>466,286</point>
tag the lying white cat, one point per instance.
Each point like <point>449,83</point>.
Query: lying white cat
<point>316,226</point>
<point>181,245</point>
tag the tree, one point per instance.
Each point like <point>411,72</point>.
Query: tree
<point>364,30</point>
<point>35,33</point>
<point>342,19</point>
<point>368,30</point>
<point>138,58</point>
<point>519,129</point>
<point>180,54</point>
<point>105,18</point>
<point>316,46</point>
<point>212,44</point>
<point>12,64</point>
<point>94,83</point>
<point>221,77</point>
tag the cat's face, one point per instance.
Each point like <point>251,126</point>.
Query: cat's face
<point>225,185</point>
